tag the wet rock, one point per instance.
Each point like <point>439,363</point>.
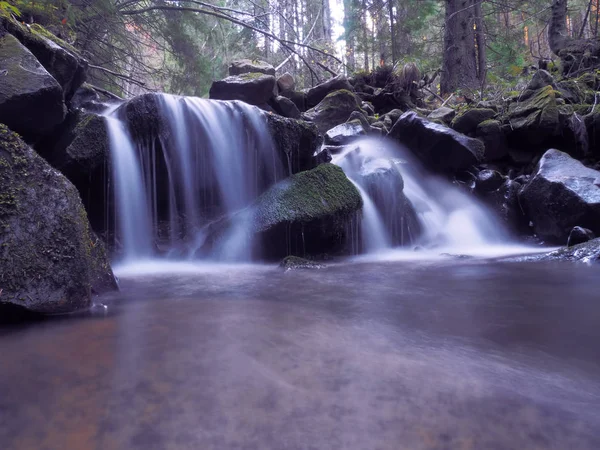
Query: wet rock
<point>253,88</point>
<point>31,100</point>
<point>244,66</point>
<point>286,82</point>
<point>588,252</point>
<point>368,108</point>
<point>491,134</point>
<point>562,194</point>
<point>316,94</point>
<point>297,140</point>
<point>50,261</point>
<point>296,263</point>
<point>468,121</point>
<point>298,98</point>
<point>488,180</point>
<point>333,110</point>
<point>579,235</point>
<point>285,107</point>
<point>87,98</point>
<point>444,114</point>
<point>361,117</point>
<point>60,59</point>
<point>144,118</point>
<point>592,123</point>
<point>345,133</point>
<point>504,202</point>
<point>440,148</point>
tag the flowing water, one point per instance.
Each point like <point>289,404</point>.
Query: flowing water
<point>436,355</point>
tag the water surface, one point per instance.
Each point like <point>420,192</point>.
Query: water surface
<point>450,354</point>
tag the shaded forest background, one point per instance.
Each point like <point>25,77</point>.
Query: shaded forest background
<point>179,47</point>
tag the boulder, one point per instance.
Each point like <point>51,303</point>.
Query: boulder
<point>298,98</point>
<point>316,94</point>
<point>307,212</point>
<point>60,59</point>
<point>254,88</point>
<point>579,235</point>
<point>491,134</point>
<point>592,123</point>
<point>50,260</point>
<point>333,110</point>
<point>243,66</point>
<point>562,194</point>
<point>345,133</point>
<point>444,114</point>
<point>87,98</point>
<point>467,121</point>
<point>286,82</point>
<point>298,140</point>
<point>144,118</point>
<point>588,252</point>
<point>31,100</point>
<point>488,180</point>
<point>503,200</point>
<point>439,147</point>
<point>285,107</point>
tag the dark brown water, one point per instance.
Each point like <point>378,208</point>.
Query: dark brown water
<point>403,355</point>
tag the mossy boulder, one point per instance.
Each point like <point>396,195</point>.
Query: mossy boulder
<point>334,109</point>
<point>31,100</point>
<point>576,91</point>
<point>492,135</point>
<point>440,148</point>
<point>59,58</point>
<point>50,261</point>
<point>316,94</point>
<point>298,141</point>
<point>243,66</point>
<point>443,113</point>
<point>285,107</point>
<point>255,88</point>
<point>467,121</point>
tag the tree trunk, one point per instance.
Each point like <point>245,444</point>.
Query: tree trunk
<point>557,30</point>
<point>459,65</point>
<point>392,33</point>
<point>480,41</point>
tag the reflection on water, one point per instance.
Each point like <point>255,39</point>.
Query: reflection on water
<point>386,355</point>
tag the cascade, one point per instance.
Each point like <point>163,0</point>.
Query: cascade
<point>404,205</point>
<point>212,158</point>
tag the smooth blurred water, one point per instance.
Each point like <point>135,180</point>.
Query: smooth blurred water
<point>449,217</point>
<point>438,354</point>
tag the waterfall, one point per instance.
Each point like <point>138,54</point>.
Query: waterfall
<point>404,205</point>
<point>210,159</point>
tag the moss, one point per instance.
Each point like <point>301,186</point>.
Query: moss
<point>251,76</point>
<point>468,120</point>
<point>324,192</point>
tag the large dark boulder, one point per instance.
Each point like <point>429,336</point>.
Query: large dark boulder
<point>439,147</point>
<point>60,59</point>
<point>467,121</point>
<point>562,194</point>
<point>494,139</point>
<point>254,88</point>
<point>306,213</point>
<point>316,94</point>
<point>285,107</point>
<point>333,110</point>
<point>588,252</point>
<point>50,261</point>
<point>298,141</point>
<point>31,100</point>
<point>346,133</point>
<point>243,66</point>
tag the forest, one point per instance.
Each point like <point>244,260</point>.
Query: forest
<point>179,47</point>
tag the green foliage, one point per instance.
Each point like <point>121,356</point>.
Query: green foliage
<point>7,8</point>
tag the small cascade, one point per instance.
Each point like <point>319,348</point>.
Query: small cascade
<point>209,159</point>
<point>406,206</point>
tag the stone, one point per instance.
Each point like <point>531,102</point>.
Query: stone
<point>297,140</point>
<point>316,94</point>
<point>488,180</point>
<point>333,110</point>
<point>491,134</point>
<point>579,235</point>
<point>439,147</point>
<point>50,261</point>
<point>285,107</point>
<point>31,100</point>
<point>467,121</point>
<point>296,263</point>
<point>60,59</point>
<point>299,99</point>
<point>587,252</point>
<point>286,82</point>
<point>561,194</point>
<point>345,133</point>
<point>244,66</point>
<point>253,88</point>
<point>444,114</point>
